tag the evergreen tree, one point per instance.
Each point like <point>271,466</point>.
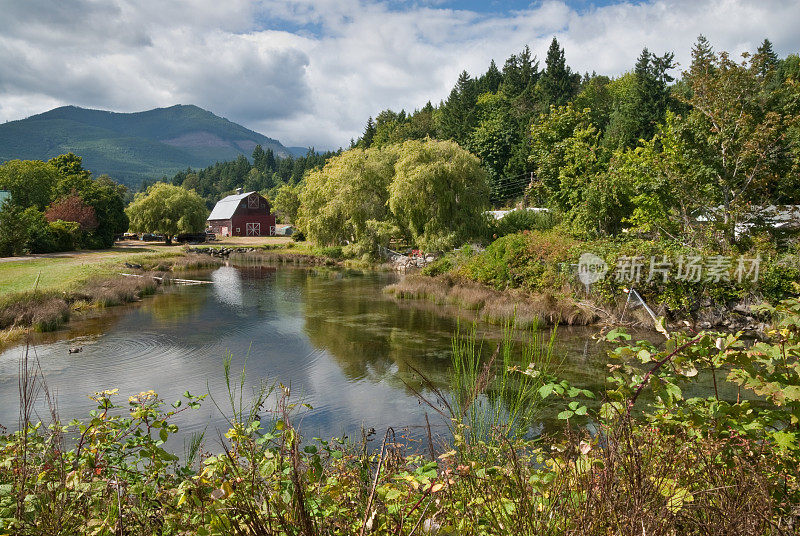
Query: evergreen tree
<point>458,114</point>
<point>641,107</point>
<point>766,63</point>
<point>557,84</point>
<point>269,161</point>
<point>520,74</point>
<point>423,123</point>
<point>258,158</point>
<point>369,134</point>
<point>490,82</point>
<point>703,59</point>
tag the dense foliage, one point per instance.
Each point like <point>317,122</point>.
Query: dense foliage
<point>639,152</point>
<point>48,197</point>
<point>266,174</point>
<point>546,261</point>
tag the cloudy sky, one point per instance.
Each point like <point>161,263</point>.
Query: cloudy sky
<point>309,72</point>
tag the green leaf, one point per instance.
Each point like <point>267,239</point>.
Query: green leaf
<point>610,410</point>
<point>393,494</point>
<point>163,434</point>
<point>566,414</point>
<point>616,334</point>
<point>792,393</point>
<point>785,440</point>
<point>546,390</point>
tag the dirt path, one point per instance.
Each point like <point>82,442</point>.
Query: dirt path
<point>83,254</point>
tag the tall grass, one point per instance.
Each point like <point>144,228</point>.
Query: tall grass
<point>499,395</point>
<point>49,310</point>
<point>527,310</point>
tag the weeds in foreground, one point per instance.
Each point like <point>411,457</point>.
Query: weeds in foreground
<point>664,464</point>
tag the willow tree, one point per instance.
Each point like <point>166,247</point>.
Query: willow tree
<point>167,210</point>
<point>439,194</point>
<point>351,190</point>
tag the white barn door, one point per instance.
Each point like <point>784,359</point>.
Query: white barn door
<point>253,229</point>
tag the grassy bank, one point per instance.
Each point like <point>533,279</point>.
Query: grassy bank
<point>42,294</point>
<point>297,253</point>
<point>537,272</point>
<point>648,461</point>
<point>494,306</point>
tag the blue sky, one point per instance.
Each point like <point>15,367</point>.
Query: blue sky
<point>310,72</point>
<point>486,8</point>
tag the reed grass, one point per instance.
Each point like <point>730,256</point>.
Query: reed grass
<point>528,311</point>
<point>499,397</point>
<point>49,310</point>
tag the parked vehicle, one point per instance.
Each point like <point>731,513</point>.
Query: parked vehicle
<point>191,237</point>
<point>150,237</point>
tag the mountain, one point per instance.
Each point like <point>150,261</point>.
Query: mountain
<point>132,147</point>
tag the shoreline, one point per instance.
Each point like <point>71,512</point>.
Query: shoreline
<point>551,308</point>
<point>50,309</point>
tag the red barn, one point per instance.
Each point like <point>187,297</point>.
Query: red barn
<point>242,214</point>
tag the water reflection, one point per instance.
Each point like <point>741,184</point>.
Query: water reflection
<point>341,343</point>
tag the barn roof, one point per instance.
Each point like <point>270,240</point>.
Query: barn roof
<point>225,207</point>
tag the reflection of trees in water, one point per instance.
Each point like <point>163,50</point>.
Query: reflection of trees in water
<point>174,306</point>
<point>369,336</point>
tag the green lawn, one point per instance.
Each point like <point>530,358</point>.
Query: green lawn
<point>68,272</point>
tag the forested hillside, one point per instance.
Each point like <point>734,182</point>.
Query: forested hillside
<point>725,127</point>
<point>268,173</point>
<point>133,147</point>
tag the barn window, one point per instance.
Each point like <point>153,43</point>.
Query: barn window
<point>253,229</point>
<point>252,201</point>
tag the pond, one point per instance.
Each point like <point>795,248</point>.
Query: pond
<point>343,346</point>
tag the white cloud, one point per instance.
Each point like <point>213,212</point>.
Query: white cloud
<point>310,72</point>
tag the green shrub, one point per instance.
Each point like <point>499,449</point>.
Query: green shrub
<point>777,279</point>
<point>333,252</point>
<point>529,260</point>
<point>440,266</point>
<point>66,235</point>
<point>517,221</point>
